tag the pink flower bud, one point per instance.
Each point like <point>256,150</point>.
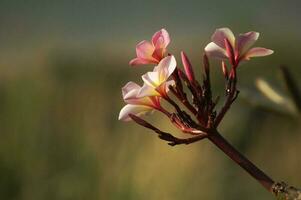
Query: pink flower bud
<point>187,67</point>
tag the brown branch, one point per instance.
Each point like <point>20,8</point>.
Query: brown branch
<point>184,117</point>
<point>179,86</point>
<point>172,140</point>
<point>192,86</point>
<point>232,94</point>
<point>182,97</point>
<point>184,101</point>
<point>207,82</point>
<point>220,142</point>
<point>186,124</point>
<point>174,104</point>
<point>241,160</point>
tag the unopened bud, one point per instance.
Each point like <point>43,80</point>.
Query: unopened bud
<point>183,76</point>
<point>187,67</point>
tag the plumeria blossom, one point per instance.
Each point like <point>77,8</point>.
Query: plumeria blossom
<point>136,105</point>
<point>224,45</point>
<point>152,52</point>
<point>156,82</point>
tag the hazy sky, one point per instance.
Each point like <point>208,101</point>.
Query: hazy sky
<point>112,24</point>
<point>22,19</point>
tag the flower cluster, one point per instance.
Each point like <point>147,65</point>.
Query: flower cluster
<point>141,100</point>
<point>168,76</point>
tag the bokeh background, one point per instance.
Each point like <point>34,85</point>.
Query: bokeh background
<point>62,64</point>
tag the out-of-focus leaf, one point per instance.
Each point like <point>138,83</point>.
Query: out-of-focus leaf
<point>256,99</point>
<point>292,87</point>
<point>275,96</point>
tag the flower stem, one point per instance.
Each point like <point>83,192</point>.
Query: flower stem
<point>241,160</point>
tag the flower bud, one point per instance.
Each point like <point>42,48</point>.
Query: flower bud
<point>187,67</point>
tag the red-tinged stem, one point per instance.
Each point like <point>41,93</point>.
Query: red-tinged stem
<point>169,100</point>
<point>185,102</point>
<point>241,160</point>
<point>230,97</point>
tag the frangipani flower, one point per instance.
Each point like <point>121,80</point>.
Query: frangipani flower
<point>156,82</point>
<point>136,105</point>
<point>225,45</point>
<point>152,52</point>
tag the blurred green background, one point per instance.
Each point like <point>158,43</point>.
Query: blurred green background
<point>62,64</point>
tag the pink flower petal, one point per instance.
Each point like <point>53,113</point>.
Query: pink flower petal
<point>141,61</point>
<point>221,34</point>
<point>159,53</point>
<point>133,109</point>
<point>245,41</point>
<point>215,51</point>
<point>161,39</point>
<point>258,52</point>
<point>145,50</point>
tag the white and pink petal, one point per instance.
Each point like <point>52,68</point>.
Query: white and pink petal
<point>257,52</point>
<point>220,35</point>
<point>133,109</point>
<point>245,41</point>
<point>148,91</point>
<point>212,50</point>
<point>152,79</point>
<point>166,67</point>
<point>130,90</point>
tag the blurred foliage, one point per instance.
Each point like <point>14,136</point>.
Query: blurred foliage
<point>61,140</point>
